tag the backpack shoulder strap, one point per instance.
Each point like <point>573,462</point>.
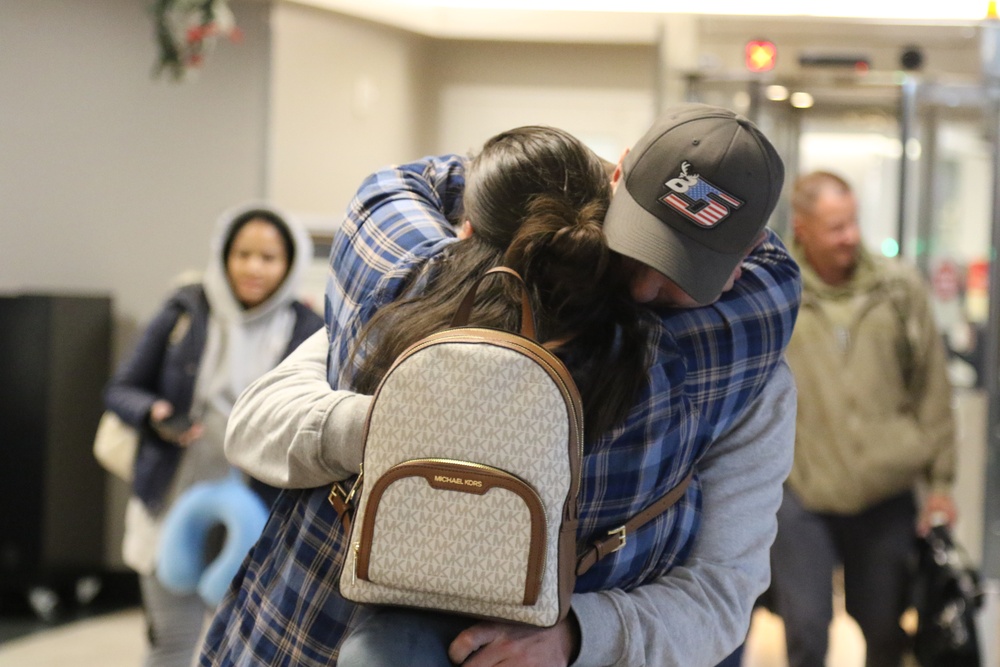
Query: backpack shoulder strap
<point>186,300</point>
<point>527,315</point>
<point>899,293</point>
<point>617,537</point>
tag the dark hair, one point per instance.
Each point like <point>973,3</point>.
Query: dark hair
<point>536,198</point>
<point>267,216</point>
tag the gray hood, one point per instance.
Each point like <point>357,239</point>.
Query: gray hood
<point>220,295</point>
<point>244,343</point>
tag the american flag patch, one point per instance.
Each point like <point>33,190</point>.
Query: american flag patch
<point>703,203</point>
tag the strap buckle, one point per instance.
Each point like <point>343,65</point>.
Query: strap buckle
<point>620,533</point>
<point>339,497</point>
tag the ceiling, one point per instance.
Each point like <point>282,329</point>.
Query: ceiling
<point>948,33</point>
<point>639,21</point>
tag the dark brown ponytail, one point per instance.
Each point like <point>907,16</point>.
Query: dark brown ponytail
<point>582,290</point>
<point>536,198</point>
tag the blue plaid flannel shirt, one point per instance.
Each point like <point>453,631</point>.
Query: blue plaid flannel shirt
<point>707,364</point>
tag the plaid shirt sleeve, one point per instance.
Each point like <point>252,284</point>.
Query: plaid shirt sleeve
<point>708,364</point>
<point>401,216</point>
<point>733,346</point>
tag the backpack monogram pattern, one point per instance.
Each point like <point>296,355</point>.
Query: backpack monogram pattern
<point>453,522</point>
<point>469,486</point>
<point>489,412</point>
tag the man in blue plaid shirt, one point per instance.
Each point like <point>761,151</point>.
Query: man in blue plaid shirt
<point>716,378</point>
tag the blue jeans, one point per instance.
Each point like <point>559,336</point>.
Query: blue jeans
<point>735,658</point>
<point>393,637</point>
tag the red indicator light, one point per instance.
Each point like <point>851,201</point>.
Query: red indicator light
<point>760,55</point>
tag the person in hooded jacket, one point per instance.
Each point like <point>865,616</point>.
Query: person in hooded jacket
<point>206,344</point>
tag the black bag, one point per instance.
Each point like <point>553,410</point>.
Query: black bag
<point>946,595</point>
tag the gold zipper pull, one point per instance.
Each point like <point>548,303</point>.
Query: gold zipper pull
<point>354,571</point>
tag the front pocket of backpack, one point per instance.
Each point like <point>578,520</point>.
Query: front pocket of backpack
<point>456,529</point>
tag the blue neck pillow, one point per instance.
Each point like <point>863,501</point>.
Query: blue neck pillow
<point>181,566</point>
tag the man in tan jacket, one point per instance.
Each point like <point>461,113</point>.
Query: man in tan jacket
<point>874,425</point>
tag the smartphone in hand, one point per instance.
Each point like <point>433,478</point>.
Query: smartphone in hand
<point>173,427</point>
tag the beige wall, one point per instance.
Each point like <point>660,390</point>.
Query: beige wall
<point>601,93</point>
<point>346,99</point>
<point>349,96</point>
<point>110,179</point>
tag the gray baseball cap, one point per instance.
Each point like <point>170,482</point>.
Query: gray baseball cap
<point>696,191</point>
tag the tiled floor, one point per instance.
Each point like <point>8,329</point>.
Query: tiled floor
<point>116,640</point>
<point>111,640</point>
<point>766,643</point>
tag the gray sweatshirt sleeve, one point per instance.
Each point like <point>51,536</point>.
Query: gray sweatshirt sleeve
<point>291,430</point>
<point>700,612</point>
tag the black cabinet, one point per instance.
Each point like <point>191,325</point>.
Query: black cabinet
<point>54,362</point>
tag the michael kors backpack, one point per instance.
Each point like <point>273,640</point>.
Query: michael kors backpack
<point>467,499</point>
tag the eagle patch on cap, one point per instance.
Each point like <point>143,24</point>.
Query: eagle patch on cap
<point>698,200</point>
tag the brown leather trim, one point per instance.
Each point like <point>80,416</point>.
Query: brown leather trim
<point>544,358</point>
<point>463,477</point>
<point>567,556</point>
<point>464,311</point>
<point>567,565</point>
<point>345,510</point>
<point>598,549</point>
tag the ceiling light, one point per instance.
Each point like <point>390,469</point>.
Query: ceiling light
<point>801,100</point>
<point>776,93</point>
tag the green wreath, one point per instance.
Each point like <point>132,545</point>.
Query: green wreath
<point>186,31</point>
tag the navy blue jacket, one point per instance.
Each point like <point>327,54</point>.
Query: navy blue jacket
<point>165,365</point>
